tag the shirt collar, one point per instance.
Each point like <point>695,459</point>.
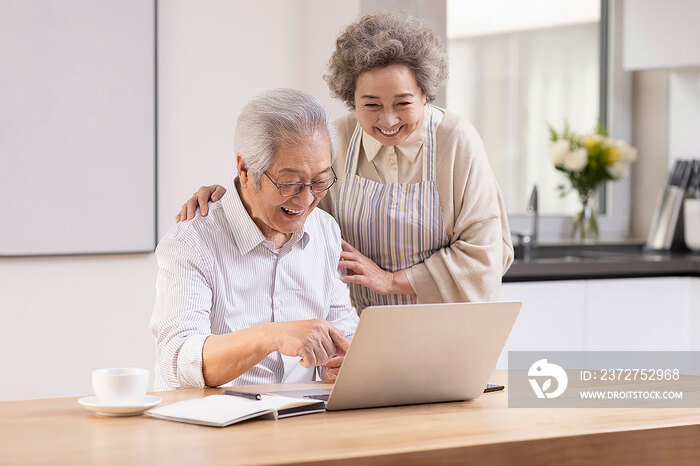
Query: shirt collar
<point>246,233</point>
<point>410,148</point>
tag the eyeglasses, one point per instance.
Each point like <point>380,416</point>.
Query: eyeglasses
<point>292,189</point>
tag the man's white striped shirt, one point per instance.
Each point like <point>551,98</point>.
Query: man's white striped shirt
<point>218,274</point>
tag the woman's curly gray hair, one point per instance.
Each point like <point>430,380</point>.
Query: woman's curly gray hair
<point>382,39</point>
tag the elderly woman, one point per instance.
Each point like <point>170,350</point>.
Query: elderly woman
<point>418,205</point>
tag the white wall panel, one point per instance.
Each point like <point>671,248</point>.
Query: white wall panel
<point>77,126</point>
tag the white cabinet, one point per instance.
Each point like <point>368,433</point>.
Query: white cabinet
<point>552,316</point>
<point>636,314</point>
<point>660,34</point>
<point>693,304</point>
<point>655,314</point>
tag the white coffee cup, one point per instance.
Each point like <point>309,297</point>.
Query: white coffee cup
<point>119,386</point>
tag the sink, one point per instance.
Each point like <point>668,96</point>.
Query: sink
<point>578,252</point>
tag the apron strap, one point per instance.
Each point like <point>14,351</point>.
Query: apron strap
<point>353,151</point>
<point>430,158</point>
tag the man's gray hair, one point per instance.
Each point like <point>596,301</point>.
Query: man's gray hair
<point>279,118</point>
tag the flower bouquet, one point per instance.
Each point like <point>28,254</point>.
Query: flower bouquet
<point>588,160</point>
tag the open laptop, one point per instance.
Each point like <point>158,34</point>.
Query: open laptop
<point>420,353</point>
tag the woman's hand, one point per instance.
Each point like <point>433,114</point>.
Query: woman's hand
<point>200,199</point>
<point>362,270</point>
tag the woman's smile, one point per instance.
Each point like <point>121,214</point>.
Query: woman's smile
<point>386,132</point>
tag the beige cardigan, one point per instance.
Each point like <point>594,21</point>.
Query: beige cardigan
<point>480,248</point>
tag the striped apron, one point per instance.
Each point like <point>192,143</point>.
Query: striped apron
<point>396,225</point>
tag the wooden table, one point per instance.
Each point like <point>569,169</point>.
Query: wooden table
<point>483,431</point>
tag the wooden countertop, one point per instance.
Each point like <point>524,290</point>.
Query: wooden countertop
<point>483,431</point>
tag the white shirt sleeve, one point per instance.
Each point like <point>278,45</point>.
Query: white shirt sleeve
<point>181,317</point>
<point>342,314</point>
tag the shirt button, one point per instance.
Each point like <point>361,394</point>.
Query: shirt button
<point>392,162</point>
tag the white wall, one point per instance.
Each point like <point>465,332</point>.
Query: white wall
<point>684,114</point>
<point>214,56</point>
<point>661,43</point>
<point>62,317</point>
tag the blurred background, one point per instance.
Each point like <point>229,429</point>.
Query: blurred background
<point>160,84</point>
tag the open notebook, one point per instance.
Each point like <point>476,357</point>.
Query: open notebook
<point>224,410</point>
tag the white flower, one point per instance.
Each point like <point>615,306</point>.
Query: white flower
<point>558,151</point>
<point>617,170</point>
<point>575,161</point>
<point>627,152</point>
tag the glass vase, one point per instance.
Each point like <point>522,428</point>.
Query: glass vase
<point>586,220</point>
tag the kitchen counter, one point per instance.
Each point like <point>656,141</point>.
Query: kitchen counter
<point>576,262</point>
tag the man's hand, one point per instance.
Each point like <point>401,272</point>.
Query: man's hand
<point>200,199</point>
<point>316,341</point>
<point>332,367</point>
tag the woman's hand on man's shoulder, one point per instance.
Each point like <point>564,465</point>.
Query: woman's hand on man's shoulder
<point>200,199</point>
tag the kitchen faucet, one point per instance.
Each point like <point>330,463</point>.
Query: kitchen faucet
<point>528,241</point>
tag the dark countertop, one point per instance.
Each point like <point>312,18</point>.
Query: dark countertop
<point>578,262</point>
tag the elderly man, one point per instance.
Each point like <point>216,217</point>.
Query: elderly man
<point>251,293</point>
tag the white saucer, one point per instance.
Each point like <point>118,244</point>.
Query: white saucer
<point>128,409</point>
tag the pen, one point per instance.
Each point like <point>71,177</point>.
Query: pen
<point>250,396</point>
